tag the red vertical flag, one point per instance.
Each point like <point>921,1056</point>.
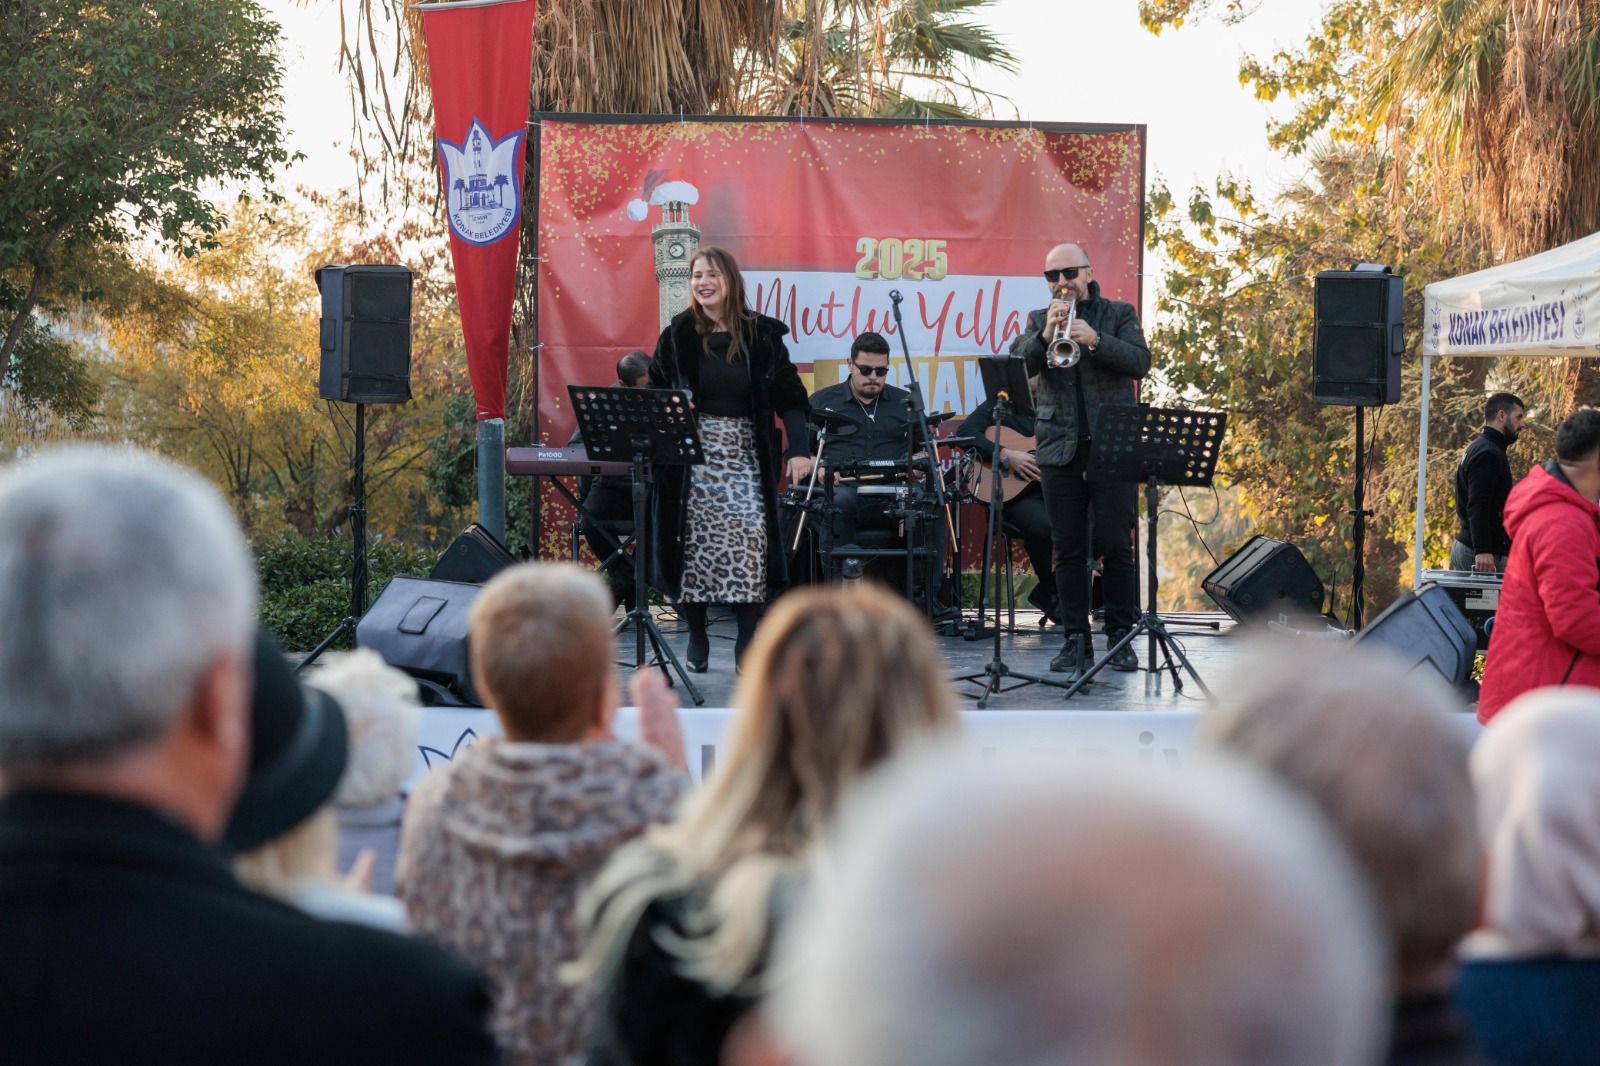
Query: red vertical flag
<point>480,57</point>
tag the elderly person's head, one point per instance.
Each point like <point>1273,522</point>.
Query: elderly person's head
<point>977,913</point>
<point>1537,770</point>
<point>542,652</point>
<point>1375,748</point>
<point>128,595</point>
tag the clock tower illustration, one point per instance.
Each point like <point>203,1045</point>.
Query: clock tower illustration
<point>676,238</point>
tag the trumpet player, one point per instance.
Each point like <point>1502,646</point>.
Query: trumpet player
<point>1102,364</point>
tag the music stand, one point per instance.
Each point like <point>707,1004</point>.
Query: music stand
<point>1155,445</point>
<point>1004,376</point>
<point>649,428</point>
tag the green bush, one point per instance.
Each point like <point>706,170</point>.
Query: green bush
<point>305,582</point>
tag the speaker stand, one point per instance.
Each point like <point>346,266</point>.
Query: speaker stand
<point>1358,524</point>
<point>358,533</point>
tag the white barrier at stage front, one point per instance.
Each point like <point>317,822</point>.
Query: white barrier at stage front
<point>1157,739</point>
<point>1160,739</point>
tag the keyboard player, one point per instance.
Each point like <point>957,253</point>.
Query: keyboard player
<point>609,498</point>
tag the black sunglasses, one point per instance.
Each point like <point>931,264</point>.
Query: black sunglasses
<point>871,371</point>
<point>1070,273</point>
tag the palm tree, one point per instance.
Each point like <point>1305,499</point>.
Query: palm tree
<point>893,59</point>
<point>1505,99</point>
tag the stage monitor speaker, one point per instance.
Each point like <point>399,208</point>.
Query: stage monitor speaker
<point>1357,343</point>
<point>1264,579</point>
<point>420,626</point>
<point>366,333</point>
<point>1426,630</point>
<point>473,557</point>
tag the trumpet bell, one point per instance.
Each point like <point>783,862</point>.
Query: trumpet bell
<point>1064,353</point>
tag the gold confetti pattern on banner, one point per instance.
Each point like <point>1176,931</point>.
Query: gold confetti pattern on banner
<point>589,171</point>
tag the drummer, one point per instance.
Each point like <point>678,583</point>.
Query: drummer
<point>882,416</point>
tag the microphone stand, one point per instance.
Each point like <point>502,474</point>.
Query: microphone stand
<point>935,475</point>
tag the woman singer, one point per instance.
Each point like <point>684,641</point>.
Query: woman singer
<point>714,528</point>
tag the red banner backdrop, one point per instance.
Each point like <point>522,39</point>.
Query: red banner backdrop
<point>480,55</point>
<point>825,219</point>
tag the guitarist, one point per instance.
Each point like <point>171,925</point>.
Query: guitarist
<point>1024,510</point>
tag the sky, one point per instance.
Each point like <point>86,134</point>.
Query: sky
<point>1077,62</point>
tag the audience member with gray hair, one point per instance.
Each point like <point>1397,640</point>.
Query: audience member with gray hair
<point>978,914</point>
<point>125,679</point>
<point>1382,752</point>
<point>1530,986</point>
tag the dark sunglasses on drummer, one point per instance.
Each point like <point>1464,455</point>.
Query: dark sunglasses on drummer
<point>1070,273</point>
<point>871,371</point>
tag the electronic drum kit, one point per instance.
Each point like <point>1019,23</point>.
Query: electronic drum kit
<point>899,487</point>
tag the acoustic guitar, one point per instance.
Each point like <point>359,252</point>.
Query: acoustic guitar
<point>1013,484</point>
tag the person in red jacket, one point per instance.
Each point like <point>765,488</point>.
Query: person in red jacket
<point>1547,628</point>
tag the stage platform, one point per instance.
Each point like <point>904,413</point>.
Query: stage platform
<point>1028,650</point>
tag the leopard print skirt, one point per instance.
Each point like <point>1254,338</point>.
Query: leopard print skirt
<point>725,544</point>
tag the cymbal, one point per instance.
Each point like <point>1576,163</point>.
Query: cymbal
<point>935,417</point>
<point>835,424</point>
<point>958,442</point>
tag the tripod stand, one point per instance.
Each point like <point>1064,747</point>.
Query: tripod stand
<point>358,534</point>
<point>1003,377</point>
<point>1154,445</point>
<point>650,427</point>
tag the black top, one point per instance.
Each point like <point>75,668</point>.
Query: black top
<point>981,421</point>
<point>650,1014</point>
<point>1483,481</point>
<point>724,387</point>
<point>881,425</point>
<point>126,939</point>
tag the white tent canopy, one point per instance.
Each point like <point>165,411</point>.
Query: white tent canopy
<point>1546,305</point>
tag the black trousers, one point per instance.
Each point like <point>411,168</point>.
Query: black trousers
<point>1029,514</point>
<point>1111,508</point>
<point>606,503</point>
<point>870,512</point>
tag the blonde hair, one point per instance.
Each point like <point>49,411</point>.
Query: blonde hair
<point>542,649</point>
<point>836,682</point>
<point>381,714</point>
<point>306,854</point>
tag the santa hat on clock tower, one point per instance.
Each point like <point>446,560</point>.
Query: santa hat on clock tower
<point>663,187</point>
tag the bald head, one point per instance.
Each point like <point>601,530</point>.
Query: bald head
<point>979,914</point>
<point>1070,257</point>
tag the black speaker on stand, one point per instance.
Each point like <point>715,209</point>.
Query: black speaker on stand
<point>366,358</point>
<point>1355,356</point>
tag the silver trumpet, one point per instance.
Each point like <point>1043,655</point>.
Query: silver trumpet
<point>1064,352</point>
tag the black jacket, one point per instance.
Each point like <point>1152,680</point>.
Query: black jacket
<point>1105,376</point>
<point>125,939</point>
<point>775,391</point>
<point>1483,481</point>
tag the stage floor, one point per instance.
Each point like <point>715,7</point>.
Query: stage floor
<point>1214,653</point>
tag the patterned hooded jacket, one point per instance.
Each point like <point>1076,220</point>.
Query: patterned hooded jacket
<point>497,848</point>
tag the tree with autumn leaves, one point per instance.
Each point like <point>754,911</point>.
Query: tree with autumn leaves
<point>1440,139</point>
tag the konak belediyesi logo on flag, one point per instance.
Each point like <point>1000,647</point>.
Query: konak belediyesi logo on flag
<point>483,197</point>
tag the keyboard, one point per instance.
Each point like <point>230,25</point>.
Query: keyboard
<point>554,462</point>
